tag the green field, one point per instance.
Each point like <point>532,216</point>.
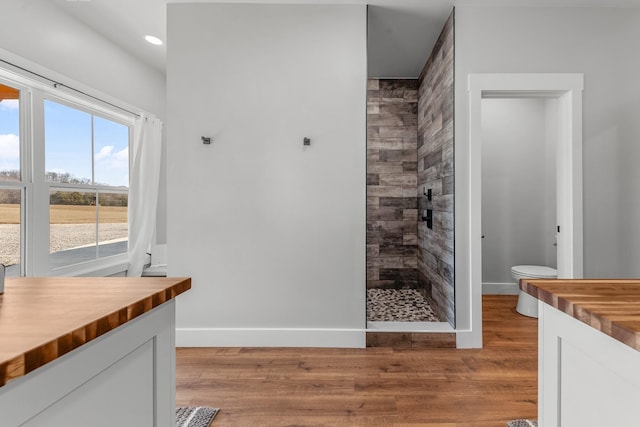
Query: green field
<point>69,214</point>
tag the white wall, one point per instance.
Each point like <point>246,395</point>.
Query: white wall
<point>272,233</point>
<point>46,38</point>
<point>601,43</point>
<point>518,187</point>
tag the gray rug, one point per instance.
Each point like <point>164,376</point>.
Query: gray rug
<point>522,423</point>
<point>195,416</point>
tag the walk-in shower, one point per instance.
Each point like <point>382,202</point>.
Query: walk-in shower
<point>410,168</point>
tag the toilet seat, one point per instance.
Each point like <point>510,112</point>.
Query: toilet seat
<point>528,305</point>
<point>534,272</point>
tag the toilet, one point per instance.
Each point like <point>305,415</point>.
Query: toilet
<point>528,305</point>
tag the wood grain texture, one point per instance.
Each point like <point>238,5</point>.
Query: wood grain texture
<point>392,117</point>
<point>611,306</point>
<point>435,172</point>
<point>42,319</point>
<point>411,340</point>
<point>381,386</point>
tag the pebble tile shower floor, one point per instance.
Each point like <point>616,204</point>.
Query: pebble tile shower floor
<point>398,305</point>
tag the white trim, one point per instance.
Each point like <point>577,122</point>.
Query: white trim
<point>489,288</point>
<point>468,339</point>
<point>568,88</point>
<point>24,185</point>
<point>37,225</point>
<point>118,107</point>
<point>102,267</point>
<point>428,327</point>
<point>89,106</point>
<point>569,184</point>
<point>270,337</point>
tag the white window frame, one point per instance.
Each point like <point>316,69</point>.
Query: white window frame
<point>24,185</point>
<point>35,231</point>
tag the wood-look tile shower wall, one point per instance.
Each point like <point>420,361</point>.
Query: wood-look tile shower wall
<point>392,230</point>
<point>409,150</point>
<point>435,172</point>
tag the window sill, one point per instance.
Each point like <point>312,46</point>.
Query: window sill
<point>100,268</point>
<point>159,270</point>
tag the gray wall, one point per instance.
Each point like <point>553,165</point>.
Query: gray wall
<point>435,172</point>
<point>401,35</point>
<point>392,179</point>
<point>272,233</point>
<point>518,186</point>
<point>602,44</point>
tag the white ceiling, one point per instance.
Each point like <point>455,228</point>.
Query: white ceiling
<point>401,32</point>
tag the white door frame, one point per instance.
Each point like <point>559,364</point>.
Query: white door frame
<point>568,89</point>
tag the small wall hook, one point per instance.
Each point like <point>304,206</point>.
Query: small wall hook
<point>206,139</point>
<point>306,141</point>
<point>428,194</point>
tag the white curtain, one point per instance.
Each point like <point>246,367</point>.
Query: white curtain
<point>143,190</point>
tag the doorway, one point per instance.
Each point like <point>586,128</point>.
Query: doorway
<point>519,143</point>
<point>567,90</point>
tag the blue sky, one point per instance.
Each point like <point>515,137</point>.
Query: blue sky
<point>68,143</point>
<point>9,131</point>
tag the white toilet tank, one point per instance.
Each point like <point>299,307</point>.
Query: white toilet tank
<point>528,305</point>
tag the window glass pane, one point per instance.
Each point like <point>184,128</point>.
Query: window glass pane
<point>9,133</point>
<point>72,227</point>
<point>67,134</point>
<point>111,152</point>
<point>113,227</point>
<point>10,230</point>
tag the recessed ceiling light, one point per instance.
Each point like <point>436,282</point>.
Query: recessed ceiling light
<point>153,40</point>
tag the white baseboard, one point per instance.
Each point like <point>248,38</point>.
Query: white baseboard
<point>270,337</point>
<point>431,327</point>
<point>500,289</point>
<point>298,337</point>
<point>469,339</point>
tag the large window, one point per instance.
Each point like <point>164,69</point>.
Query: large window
<point>87,168</point>
<point>64,183</point>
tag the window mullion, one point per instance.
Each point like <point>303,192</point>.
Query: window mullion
<point>38,199</point>
<point>26,177</point>
<point>93,162</point>
<point>93,181</point>
<point>97,196</point>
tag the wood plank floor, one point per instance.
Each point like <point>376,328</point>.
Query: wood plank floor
<point>374,386</point>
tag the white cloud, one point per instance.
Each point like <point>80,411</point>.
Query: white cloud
<point>10,149</point>
<point>123,155</point>
<point>9,104</point>
<point>104,153</point>
<point>110,164</point>
<point>109,159</point>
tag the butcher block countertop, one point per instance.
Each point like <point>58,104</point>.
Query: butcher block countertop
<point>611,306</point>
<point>42,319</point>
